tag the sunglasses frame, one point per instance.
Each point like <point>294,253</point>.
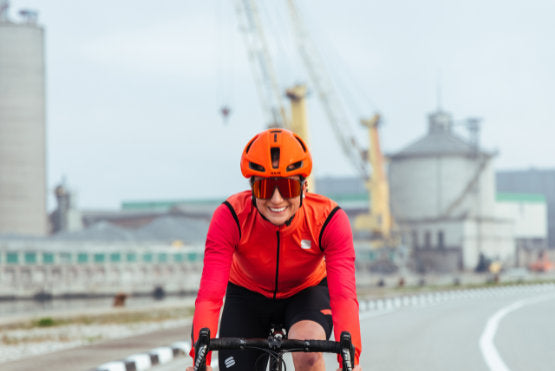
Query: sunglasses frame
<point>276,185</point>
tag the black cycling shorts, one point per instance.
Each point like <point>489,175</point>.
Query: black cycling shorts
<point>248,314</point>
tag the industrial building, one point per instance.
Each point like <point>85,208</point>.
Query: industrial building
<point>22,125</point>
<point>535,181</point>
<point>443,198</point>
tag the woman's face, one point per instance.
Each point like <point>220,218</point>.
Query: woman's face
<point>278,209</point>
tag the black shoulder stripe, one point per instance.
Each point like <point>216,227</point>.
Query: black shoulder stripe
<point>325,225</point>
<point>234,216</point>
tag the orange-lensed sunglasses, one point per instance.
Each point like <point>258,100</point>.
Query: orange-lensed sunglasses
<point>288,188</point>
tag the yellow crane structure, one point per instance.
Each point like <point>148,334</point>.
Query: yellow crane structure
<point>299,121</point>
<point>378,221</point>
<point>265,77</point>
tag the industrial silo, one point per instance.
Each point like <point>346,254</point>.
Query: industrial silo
<point>22,125</point>
<point>443,198</point>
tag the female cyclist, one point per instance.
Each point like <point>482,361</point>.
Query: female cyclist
<point>280,255</point>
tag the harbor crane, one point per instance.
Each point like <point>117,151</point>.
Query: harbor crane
<point>369,164</point>
<point>263,70</point>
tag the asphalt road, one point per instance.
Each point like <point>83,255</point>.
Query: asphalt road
<point>483,330</point>
<point>526,338</point>
<point>497,331</point>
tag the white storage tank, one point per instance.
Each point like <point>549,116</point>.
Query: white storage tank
<point>441,176</point>
<point>22,125</point>
<point>443,199</point>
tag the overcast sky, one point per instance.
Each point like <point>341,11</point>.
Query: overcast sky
<point>134,87</point>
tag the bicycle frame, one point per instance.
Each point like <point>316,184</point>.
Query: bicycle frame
<point>277,334</point>
<point>275,346</point>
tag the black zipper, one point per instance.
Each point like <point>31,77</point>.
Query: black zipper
<point>277,265</point>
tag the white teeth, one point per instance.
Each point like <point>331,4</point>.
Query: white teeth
<point>277,210</point>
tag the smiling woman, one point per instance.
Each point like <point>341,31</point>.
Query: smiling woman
<point>280,255</point>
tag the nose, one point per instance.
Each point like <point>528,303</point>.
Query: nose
<point>276,196</point>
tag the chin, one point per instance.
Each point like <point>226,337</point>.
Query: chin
<point>277,222</point>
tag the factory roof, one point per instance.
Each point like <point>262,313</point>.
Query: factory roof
<point>520,197</point>
<point>441,140</point>
<point>165,228</point>
<point>434,144</point>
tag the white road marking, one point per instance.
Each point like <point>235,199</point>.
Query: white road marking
<point>372,314</point>
<point>489,351</point>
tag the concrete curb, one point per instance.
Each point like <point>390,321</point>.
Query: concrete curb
<point>144,361</point>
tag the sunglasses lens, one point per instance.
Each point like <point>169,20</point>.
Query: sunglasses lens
<point>264,188</point>
<point>261,189</point>
<point>289,188</point>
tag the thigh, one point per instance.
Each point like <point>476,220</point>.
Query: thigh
<point>313,304</point>
<point>245,314</point>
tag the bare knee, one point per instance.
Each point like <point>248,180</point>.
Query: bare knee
<point>307,361</point>
<point>307,330</point>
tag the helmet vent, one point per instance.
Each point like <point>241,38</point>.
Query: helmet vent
<point>256,167</point>
<point>249,145</point>
<point>294,166</point>
<point>274,153</point>
<point>276,132</point>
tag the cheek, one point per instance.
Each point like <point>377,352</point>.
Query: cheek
<point>295,204</point>
<point>260,204</point>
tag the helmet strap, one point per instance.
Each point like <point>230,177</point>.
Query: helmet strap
<point>303,182</point>
<point>251,181</point>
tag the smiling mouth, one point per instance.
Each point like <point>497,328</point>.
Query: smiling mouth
<point>277,210</point>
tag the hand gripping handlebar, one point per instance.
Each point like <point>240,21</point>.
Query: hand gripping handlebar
<point>343,347</point>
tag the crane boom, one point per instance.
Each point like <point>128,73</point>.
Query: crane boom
<point>379,220</point>
<point>330,103</point>
<point>261,64</point>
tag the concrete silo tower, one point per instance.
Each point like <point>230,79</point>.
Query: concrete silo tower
<point>22,125</point>
<point>443,197</point>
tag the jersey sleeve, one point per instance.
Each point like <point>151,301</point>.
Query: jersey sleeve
<point>337,243</point>
<point>222,237</point>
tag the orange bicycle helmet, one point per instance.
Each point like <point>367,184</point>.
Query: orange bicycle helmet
<point>276,153</point>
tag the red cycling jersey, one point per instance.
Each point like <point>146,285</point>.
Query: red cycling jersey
<point>279,261</point>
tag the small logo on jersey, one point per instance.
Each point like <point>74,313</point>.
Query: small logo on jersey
<point>305,244</point>
<point>229,362</point>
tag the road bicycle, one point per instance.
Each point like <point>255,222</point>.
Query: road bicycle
<point>275,346</point>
